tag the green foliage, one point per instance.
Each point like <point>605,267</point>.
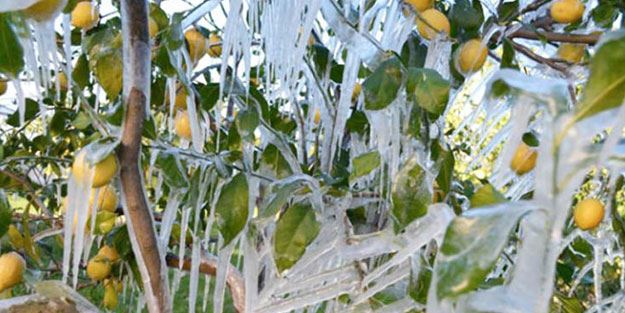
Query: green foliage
<point>606,85</point>
<point>5,213</point>
<point>232,209</point>
<point>382,86</point>
<point>11,52</point>
<point>410,194</point>
<point>172,169</point>
<point>428,89</point>
<point>472,245</point>
<point>364,164</point>
<point>487,195</point>
<point>295,230</point>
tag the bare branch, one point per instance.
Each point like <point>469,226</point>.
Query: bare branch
<point>540,59</point>
<point>527,33</point>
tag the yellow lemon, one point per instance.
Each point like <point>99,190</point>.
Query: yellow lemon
<point>85,15</point>
<point>197,44</point>
<point>12,267</point>
<point>110,297</point>
<point>15,237</point>
<point>182,125</point>
<point>570,52</point>
<point>317,117</point>
<point>420,5</point>
<point>109,253</point>
<point>62,81</point>
<point>214,46</point>
<point>431,22</point>
<point>98,268</point>
<point>588,213</point>
<point>567,11</point>
<point>107,199</point>
<point>3,87</point>
<point>524,159</point>
<point>44,10</point>
<point>103,171</point>
<point>152,27</point>
<point>356,92</point>
<point>472,56</point>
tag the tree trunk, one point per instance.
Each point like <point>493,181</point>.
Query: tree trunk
<point>150,260</point>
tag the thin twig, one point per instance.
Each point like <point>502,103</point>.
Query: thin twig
<point>530,54</point>
<point>34,199</point>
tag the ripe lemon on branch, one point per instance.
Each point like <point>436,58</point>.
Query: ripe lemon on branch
<point>85,15</point>
<point>567,11</point>
<point>107,199</point>
<point>12,267</point>
<point>570,52</point>
<point>420,5</point>
<point>197,44</point>
<point>182,125</point>
<point>103,171</point>
<point>214,46</point>
<point>98,268</point>
<point>431,22</point>
<point>109,253</point>
<point>588,213</point>
<point>471,56</point>
<point>524,159</point>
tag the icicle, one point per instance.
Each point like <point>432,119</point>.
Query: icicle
<point>220,278</point>
<point>21,102</point>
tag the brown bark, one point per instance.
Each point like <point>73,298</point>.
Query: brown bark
<point>208,266</point>
<point>136,48</point>
<point>526,33</point>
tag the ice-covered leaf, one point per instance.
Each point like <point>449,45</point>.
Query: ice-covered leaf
<point>364,164</point>
<point>11,52</point>
<point>466,15</point>
<point>12,5</point>
<point>487,195</point>
<point>108,70</point>
<point>98,150</point>
<point>273,163</point>
<point>279,196</point>
<point>247,121</point>
<point>80,74</point>
<point>472,245</point>
<point>81,121</point>
<point>5,213</point>
<point>295,230</point>
<point>428,89</point>
<point>410,194</point>
<point>382,86</point>
<point>445,174</point>
<point>172,169</point>
<point>605,88</point>
<point>232,211</point>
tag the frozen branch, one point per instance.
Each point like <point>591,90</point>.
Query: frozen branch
<point>136,48</point>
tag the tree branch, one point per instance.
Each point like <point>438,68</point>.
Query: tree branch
<point>527,33</point>
<point>136,49</point>
<point>33,198</point>
<point>208,266</point>
<point>540,59</point>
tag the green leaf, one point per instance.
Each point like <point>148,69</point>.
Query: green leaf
<point>487,195</point>
<point>295,230</point>
<point>247,121</point>
<point>5,213</point>
<point>273,163</point>
<point>605,88</point>
<point>428,89</point>
<point>81,121</point>
<point>420,284</point>
<point>446,172</point>
<point>530,139</point>
<point>410,194</point>
<point>413,52</point>
<point>30,112</point>
<point>278,197</point>
<point>107,67</point>
<point>163,62</point>
<point>232,208</point>
<point>11,52</point>
<point>172,168</point>
<point>382,86</point>
<point>466,16</point>
<point>471,247</point>
<point>80,74</point>
<point>364,164</point>
<point>357,122</point>
<point>506,9</point>
<point>209,94</point>
<point>507,57</point>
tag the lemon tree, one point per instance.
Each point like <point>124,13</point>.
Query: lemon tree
<point>312,156</point>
